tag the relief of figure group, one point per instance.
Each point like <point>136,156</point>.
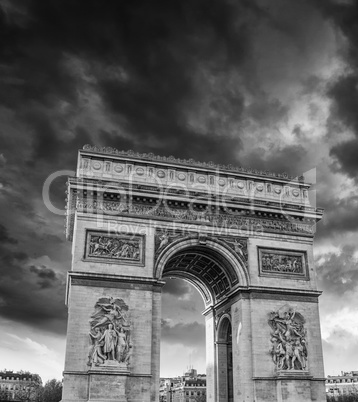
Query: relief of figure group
<point>110,340</point>
<point>102,246</point>
<point>281,263</point>
<point>288,339</point>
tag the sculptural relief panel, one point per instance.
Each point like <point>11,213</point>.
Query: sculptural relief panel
<point>288,339</point>
<point>282,263</point>
<point>116,248</point>
<point>110,343</point>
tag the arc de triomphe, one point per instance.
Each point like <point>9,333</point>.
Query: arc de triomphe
<point>242,237</point>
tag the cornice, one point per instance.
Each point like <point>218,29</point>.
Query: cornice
<point>189,162</point>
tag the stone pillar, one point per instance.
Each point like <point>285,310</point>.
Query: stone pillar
<point>156,333</point>
<point>211,367</point>
<point>222,370</point>
<point>110,381</point>
<point>242,350</point>
<point>279,381</point>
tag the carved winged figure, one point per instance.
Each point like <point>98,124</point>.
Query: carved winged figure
<point>108,311</point>
<point>165,238</point>
<point>113,313</point>
<point>239,247</point>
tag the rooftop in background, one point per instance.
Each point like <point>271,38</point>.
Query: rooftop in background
<point>353,373</point>
<point>9,374</point>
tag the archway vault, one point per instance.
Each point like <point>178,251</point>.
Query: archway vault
<point>210,265</point>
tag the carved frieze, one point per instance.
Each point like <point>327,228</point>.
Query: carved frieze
<point>288,339</point>
<point>217,219</point>
<point>110,335</point>
<point>282,263</point>
<point>116,248</point>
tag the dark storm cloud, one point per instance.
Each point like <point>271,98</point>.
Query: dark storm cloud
<point>144,60</point>
<point>341,216</point>
<point>145,39</point>
<point>290,159</point>
<point>344,90</point>
<point>30,294</point>
<point>191,334</point>
<point>344,94</point>
<point>4,236</point>
<point>346,154</point>
<point>176,288</point>
<point>157,76</point>
<point>338,274</point>
<point>47,277</point>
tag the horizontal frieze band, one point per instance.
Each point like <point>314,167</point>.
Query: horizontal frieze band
<point>256,224</point>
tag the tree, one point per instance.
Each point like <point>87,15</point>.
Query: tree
<point>200,398</point>
<point>52,391</point>
<point>31,392</point>
<point>4,395</point>
<point>352,397</point>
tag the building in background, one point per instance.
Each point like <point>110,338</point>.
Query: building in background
<point>11,383</point>
<point>346,383</point>
<point>191,387</point>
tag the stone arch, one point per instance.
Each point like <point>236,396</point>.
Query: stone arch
<point>224,358</point>
<point>223,326</point>
<point>183,257</point>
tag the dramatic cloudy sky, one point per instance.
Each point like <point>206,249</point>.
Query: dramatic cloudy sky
<point>271,84</point>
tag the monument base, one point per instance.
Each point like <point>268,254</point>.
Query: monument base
<point>290,386</point>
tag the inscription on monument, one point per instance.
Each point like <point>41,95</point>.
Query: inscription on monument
<point>282,263</point>
<point>110,343</point>
<point>288,338</point>
<point>125,248</point>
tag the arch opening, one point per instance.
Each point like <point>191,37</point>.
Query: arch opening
<point>225,362</point>
<point>215,272</point>
<point>182,347</point>
<point>206,269</point>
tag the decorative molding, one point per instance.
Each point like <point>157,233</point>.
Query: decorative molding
<point>282,263</point>
<point>188,162</point>
<point>110,335</point>
<point>288,339</point>
<point>221,219</point>
<point>114,248</point>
